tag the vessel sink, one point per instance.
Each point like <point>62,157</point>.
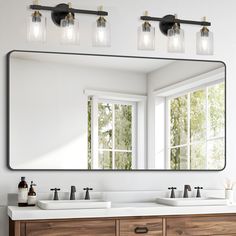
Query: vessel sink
<point>193,201</point>
<point>73,204</point>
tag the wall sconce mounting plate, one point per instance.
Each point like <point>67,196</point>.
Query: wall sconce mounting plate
<point>167,23</point>
<point>59,13</point>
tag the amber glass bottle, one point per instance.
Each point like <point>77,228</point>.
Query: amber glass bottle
<point>22,193</point>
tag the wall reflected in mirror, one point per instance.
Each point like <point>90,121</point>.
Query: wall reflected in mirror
<point>90,112</point>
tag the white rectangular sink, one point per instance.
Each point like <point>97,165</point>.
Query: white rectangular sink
<point>193,201</point>
<point>73,204</point>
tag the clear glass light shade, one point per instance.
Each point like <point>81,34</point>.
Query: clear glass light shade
<point>36,28</point>
<point>175,40</point>
<point>146,37</point>
<point>69,31</point>
<point>101,33</point>
<point>205,44</point>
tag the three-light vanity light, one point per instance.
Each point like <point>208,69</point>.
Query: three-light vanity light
<point>170,26</point>
<point>64,16</point>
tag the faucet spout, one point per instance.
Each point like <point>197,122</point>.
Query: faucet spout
<point>186,189</point>
<point>72,193</point>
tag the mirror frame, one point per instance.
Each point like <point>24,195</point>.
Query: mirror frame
<point>8,57</point>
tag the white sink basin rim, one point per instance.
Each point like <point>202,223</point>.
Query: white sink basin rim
<point>193,201</point>
<point>73,204</point>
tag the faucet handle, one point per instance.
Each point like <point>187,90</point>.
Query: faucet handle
<point>72,192</point>
<point>87,196</point>
<point>55,197</point>
<point>172,195</point>
<point>198,191</point>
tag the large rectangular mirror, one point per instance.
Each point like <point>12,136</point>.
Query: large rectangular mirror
<point>95,112</point>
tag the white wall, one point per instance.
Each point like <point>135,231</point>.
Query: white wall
<point>124,22</point>
<point>48,110</point>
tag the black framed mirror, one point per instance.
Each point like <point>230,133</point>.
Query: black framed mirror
<point>108,112</point>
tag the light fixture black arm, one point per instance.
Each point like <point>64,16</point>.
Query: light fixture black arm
<point>65,7</point>
<point>168,21</point>
<point>171,19</point>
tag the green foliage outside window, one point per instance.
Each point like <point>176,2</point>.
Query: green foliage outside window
<point>197,122</point>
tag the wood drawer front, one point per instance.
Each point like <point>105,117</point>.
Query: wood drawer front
<point>72,228</point>
<point>201,226</point>
<point>134,227</point>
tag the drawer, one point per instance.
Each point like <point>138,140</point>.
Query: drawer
<point>147,226</point>
<point>201,226</point>
<point>72,228</point>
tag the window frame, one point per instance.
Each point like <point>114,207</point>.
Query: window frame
<point>113,150</point>
<point>139,124</point>
<point>168,146</point>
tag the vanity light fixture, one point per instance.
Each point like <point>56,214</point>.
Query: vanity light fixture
<point>204,41</point>
<point>146,36</point>
<point>63,15</point>
<point>169,25</point>
<point>101,32</point>
<point>36,26</point>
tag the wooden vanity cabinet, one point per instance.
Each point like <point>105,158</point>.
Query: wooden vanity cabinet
<point>71,227</point>
<point>200,225</point>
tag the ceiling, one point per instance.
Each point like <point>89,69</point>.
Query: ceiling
<point>139,65</point>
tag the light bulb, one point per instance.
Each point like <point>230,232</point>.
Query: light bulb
<point>146,37</point>
<point>204,42</point>
<point>36,28</point>
<point>69,30</point>
<point>101,33</point>
<point>175,39</point>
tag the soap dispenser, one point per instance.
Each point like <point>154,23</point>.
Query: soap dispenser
<point>22,193</point>
<point>32,199</point>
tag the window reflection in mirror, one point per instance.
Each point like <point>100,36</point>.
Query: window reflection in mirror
<point>79,112</point>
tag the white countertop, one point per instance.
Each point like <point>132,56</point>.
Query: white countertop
<point>116,210</point>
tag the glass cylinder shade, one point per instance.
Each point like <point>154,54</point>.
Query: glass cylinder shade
<point>36,28</point>
<point>205,42</point>
<point>175,40</point>
<point>101,33</point>
<point>146,37</point>
<point>69,30</point>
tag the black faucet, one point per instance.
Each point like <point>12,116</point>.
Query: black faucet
<point>72,193</point>
<point>186,189</point>
<point>172,195</point>
<point>198,191</point>
<point>55,196</point>
<point>87,196</point>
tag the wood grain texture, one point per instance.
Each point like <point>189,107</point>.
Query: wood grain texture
<point>201,226</point>
<point>14,228</point>
<point>153,226</point>
<point>72,228</point>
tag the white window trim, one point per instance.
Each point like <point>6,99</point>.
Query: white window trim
<point>197,82</point>
<point>139,125</point>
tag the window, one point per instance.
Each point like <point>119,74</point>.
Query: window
<point>196,128</point>
<point>111,134</point>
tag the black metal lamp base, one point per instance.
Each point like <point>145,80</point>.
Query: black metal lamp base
<point>59,13</point>
<point>167,23</point>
